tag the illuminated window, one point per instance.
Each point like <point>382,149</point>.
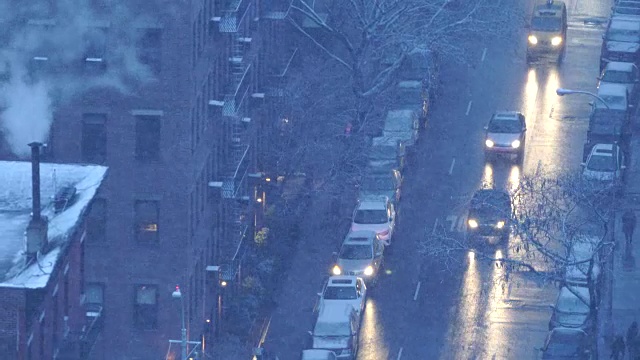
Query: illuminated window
<point>147,214</point>
<point>145,312</point>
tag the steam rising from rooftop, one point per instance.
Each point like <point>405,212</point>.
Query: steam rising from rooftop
<point>55,54</point>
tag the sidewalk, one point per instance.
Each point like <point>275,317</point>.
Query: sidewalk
<point>625,283</point>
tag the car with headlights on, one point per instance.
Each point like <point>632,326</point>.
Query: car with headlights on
<point>344,289</point>
<point>377,214</point>
<point>490,214</point>
<point>505,134</point>
<point>621,42</point>
<point>622,73</point>
<point>547,31</point>
<point>361,254</point>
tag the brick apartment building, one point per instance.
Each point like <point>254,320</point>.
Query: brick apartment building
<point>182,153</point>
<point>41,274</point>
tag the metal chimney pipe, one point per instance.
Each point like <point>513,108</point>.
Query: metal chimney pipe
<point>35,179</point>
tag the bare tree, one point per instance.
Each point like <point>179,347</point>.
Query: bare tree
<point>372,39</point>
<point>552,215</point>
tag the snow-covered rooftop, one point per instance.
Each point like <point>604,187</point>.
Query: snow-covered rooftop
<point>15,213</point>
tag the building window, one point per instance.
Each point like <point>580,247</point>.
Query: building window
<point>95,42</point>
<point>94,138</point>
<point>146,217</point>
<point>94,297</point>
<point>146,307</point>
<point>148,137</point>
<point>97,221</point>
<point>150,48</point>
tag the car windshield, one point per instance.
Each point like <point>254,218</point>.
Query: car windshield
<point>625,9</point>
<point>356,252</point>
<point>504,126</point>
<point>546,23</point>
<point>378,183</point>
<point>340,293</point>
<point>383,152</point>
<point>370,217</point>
<point>332,329</point>
<point>613,101</point>
<point>616,76</point>
<point>563,345</point>
<point>623,35</point>
<point>601,163</point>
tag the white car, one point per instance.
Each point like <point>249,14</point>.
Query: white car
<point>616,96</point>
<point>377,214</point>
<point>344,289</point>
<point>605,163</point>
<point>622,73</point>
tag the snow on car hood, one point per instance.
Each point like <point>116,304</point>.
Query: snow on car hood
<point>597,175</point>
<point>391,194</point>
<point>331,342</point>
<point>619,46</point>
<point>503,139</point>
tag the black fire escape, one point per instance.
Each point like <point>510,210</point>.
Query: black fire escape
<point>77,345</point>
<point>237,184</point>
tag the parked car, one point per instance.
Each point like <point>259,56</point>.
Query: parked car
<point>337,329</point>
<point>607,126</point>
<point>572,310</point>
<point>403,125</point>
<point>344,289</point>
<point>318,354</point>
<point>548,30</point>
<point>411,94</point>
<point>621,42</point>
<point>615,95</point>
<point>490,215</point>
<point>376,213</point>
<point>506,134</point>
<point>361,254</point>
<point>423,66</point>
<point>387,153</point>
<point>626,8</point>
<point>564,343</point>
<point>605,164</point>
<point>381,181</point>
<point>622,73</point>
<point>583,249</point>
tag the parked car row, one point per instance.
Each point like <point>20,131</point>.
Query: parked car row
<point>572,327</point>
<point>360,259</point>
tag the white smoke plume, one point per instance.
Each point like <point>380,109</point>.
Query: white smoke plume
<point>61,39</point>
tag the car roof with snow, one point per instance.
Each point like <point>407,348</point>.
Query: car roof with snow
<point>360,237</point>
<point>602,150</point>
<point>625,24</point>
<point>619,66</point>
<point>342,280</point>
<point>373,203</point>
<point>573,299</point>
<point>505,115</point>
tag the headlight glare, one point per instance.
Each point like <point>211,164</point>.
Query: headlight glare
<point>515,144</point>
<point>336,270</point>
<point>500,224</point>
<point>557,40</point>
<point>472,223</point>
<point>533,39</point>
<point>368,270</point>
<point>489,143</point>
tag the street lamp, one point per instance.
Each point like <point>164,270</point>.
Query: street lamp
<point>177,294</point>
<point>563,92</point>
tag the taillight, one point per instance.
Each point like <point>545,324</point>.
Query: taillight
<point>385,232</point>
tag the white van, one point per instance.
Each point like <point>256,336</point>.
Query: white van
<point>336,329</point>
<point>403,125</point>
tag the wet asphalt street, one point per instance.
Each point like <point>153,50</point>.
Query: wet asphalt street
<point>459,307</point>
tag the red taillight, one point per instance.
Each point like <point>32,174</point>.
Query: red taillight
<point>384,233</point>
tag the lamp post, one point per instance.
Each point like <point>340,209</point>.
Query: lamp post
<point>177,294</point>
<point>563,92</point>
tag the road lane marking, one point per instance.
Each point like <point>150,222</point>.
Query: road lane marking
<point>453,163</point>
<point>435,226</point>
<point>484,54</point>
<point>415,295</point>
<point>399,354</point>
<point>469,107</point>
<point>453,219</point>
